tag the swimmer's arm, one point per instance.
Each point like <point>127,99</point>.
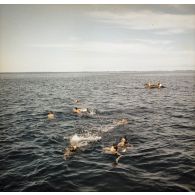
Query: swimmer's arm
<point>106,149</point>
<point>119,156</point>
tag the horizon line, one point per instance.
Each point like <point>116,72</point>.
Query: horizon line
<point>98,71</point>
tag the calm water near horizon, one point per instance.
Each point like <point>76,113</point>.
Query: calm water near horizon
<point>161,128</point>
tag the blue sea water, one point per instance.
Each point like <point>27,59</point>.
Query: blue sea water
<point>160,127</point>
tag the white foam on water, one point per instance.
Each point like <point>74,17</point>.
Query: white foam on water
<point>107,128</point>
<point>92,112</point>
<point>83,140</point>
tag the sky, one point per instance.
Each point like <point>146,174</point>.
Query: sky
<point>77,38</point>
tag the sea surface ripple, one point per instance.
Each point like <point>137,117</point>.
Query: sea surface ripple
<point>161,128</point>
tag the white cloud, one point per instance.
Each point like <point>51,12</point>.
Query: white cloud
<point>130,46</point>
<point>97,56</point>
<point>135,54</point>
<point>147,20</point>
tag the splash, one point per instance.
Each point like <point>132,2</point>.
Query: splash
<point>107,128</point>
<point>83,140</point>
<point>92,112</point>
<point>88,112</point>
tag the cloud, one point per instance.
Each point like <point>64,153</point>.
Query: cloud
<point>131,46</point>
<point>147,20</point>
<point>114,47</point>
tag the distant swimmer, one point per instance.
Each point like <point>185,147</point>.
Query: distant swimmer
<point>50,115</point>
<point>80,110</point>
<point>69,151</point>
<point>76,110</point>
<point>121,122</point>
<point>150,85</point>
<point>76,101</point>
<point>123,144</point>
<point>112,150</point>
<point>159,84</point>
<point>153,86</point>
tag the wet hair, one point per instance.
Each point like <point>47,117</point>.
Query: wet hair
<point>115,146</point>
<point>124,137</point>
<point>72,149</point>
<point>126,140</point>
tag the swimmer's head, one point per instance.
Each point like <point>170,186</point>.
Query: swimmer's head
<point>124,139</point>
<point>115,146</point>
<point>72,148</point>
<point>50,113</point>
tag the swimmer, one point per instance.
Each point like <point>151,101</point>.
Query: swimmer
<point>50,115</point>
<point>123,144</point>
<point>80,110</point>
<point>69,151</point>
<point>150,85</point>
<point>121,122</point>
<point>76,101</point>
<point>114,151</point>
<point>159,84</point>
<point>76,110</point>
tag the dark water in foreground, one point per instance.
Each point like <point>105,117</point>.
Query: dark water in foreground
<point>161,128</point>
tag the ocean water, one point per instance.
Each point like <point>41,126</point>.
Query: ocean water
<point>161,128</point>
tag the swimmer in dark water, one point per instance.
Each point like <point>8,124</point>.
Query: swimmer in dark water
<point>76,101</point>
<point>123,144</point>
<point>76,110</point>
<point>122,122</point>
<point>80,110</point>
<point>69,151</point>
<point>50,115</point>
<point>111,150</point>
<point>114,151</point>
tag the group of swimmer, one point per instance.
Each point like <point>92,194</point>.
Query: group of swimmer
<point>152,86</point>
<point>114,150</point>
<point>76,110</point>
